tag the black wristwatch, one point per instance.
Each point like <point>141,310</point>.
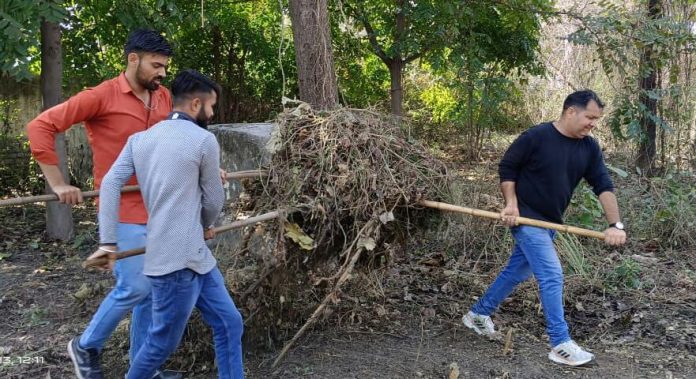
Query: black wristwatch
<point>618,225</point>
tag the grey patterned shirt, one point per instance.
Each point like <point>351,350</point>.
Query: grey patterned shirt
<point>177,164</point>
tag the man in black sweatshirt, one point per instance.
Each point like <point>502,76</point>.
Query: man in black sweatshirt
<point>538,174</point>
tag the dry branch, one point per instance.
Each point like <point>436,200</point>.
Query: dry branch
<point>344,275</point>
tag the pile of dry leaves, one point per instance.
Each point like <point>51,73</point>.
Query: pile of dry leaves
<point>349,181</point>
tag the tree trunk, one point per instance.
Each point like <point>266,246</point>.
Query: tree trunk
<point>396,69</point>
<point>241,78</point>
<point>313,53</point>
<point>59,221</point>
<point>648,69</point>
<point>396,65</point>
<point>216,36</point>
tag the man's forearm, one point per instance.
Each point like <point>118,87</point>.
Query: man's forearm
<point>52,174</point>
<point>610,206</point>
<point>508,190</point>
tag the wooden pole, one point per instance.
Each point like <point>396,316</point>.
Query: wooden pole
<point>220,229</point>
<point>520,220</point>
<point>320,309</point>
<point>90,194</point>
<point>343,275</point>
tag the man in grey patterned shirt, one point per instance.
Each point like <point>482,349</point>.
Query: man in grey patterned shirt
<point>177,165</point>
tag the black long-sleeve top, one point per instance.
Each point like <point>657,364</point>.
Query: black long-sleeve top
<point>546,166</point>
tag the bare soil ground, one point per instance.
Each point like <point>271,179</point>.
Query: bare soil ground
<point>401,320</point>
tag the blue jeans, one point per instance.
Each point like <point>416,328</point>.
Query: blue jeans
<point>173,297</point>
<point>132,291</point>
<point>533,253</point>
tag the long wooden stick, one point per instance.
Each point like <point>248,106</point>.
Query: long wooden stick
<point>520,220</point>
<point>54,197</point>
<point>95,193</point>
<point>344,275</point>
<point>320,308</point>
<point>220,229</point>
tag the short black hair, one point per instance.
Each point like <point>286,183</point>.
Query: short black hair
<point>147,41</point>
<point>188,83</point>
<point>580,99</point>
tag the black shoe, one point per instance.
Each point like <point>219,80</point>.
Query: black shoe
<point>168,374</point>
<point>85,361</point>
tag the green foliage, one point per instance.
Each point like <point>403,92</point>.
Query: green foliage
<point>625,275</point>
<point>502,38</point>
<point>505,33</point>
<point>668,211</point>
<point>238,46</point>
<point>660,209</point>
<point>9,114</point>
<point>363,79</point>
<point>469,108</point>
<point>430,23</point>
<point>623,35</point>
<point>36,315</point>
<point>467,52</point>
<point>585,209</point>
<point>19,172</point>
<point>441,100</point>
<point>20,24</point>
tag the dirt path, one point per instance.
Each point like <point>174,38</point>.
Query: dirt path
<point>346,353</point>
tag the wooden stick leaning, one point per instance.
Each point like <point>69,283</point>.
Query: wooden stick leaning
<point>344,275</point>
<point>95,193</point>
<point>520,220</point>
<point>220,229</point>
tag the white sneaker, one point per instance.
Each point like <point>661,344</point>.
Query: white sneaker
<point>569,353</point>
<point>480,324</point>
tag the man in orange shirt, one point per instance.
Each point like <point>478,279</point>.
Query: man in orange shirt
<point>111,112</point>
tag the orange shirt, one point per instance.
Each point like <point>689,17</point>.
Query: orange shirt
<point>111,113</point>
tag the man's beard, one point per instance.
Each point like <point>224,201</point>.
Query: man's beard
<point>201,119</point>
<point>150,85</point>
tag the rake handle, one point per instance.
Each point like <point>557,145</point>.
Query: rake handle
<point>220,229</point>
<point>132,188</point>
<point>520,220</point>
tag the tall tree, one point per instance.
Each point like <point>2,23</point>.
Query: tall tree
<point>400,31</point>
<point>648,83</point>
<point>397,33</point>
<point>59,221</point>
<point>313,53</point>
<point>21,22</point>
